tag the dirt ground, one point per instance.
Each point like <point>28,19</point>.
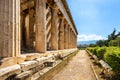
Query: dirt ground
<point>78,68</point>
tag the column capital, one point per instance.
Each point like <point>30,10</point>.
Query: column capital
<point>52,4</point>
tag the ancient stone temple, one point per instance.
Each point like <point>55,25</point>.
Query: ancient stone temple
<point>31,28</point>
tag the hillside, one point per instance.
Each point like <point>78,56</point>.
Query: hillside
<point>87,42</point>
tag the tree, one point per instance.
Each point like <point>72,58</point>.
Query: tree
<point>113,35</point>
<point>92,45</point>
<point>100,43</point>
<point>115,42</point>
<point>106,43</point>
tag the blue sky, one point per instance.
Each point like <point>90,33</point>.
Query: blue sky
<point>95,19</point>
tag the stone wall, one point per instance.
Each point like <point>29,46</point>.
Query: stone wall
<point>34,69</point>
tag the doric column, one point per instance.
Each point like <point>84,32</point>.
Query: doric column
<point>54,30</point>
<point>61,35</point>
<point>31,28</point>
<point>40,18</point>
<point>65,36</point>
<point>69,43</point>
<point>22,26</point>
<point>75,41</point>
<point>72,39</point>
<point>27,31</point>
<point>9,28</point>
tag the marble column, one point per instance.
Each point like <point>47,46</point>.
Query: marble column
<point>31,28</point>
<point>27,30</point>
<point>65,36</point>
<point>72,39</point>
<point>75,41</point>
<point>40,31</point>
<point>69,43</point>
<point>61,35</point>
<point>54,30</point>
<point>9,28</point>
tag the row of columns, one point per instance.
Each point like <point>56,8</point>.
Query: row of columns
<point>65,41</point>
<point>10,29</point>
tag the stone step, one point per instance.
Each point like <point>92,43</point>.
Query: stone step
<point>12,61</point>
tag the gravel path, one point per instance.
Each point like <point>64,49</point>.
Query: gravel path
<point>78,68</point>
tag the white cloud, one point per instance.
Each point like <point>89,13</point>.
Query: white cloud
<point>84,37</point>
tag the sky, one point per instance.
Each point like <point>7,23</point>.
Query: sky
<point>95,19</point>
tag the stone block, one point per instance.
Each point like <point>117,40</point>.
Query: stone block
<point>23,75</point>
<point>21,59</point>
<point>26,75</point>
<point>9,71</point>
<point>28,65</point>
<point>41,60</point>
<point>5,62</point>
<point>49,58</point>
<point>32,56</point>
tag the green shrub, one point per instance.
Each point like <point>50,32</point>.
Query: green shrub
<point>95,50</point>
<point>100,52</point>
<point>112,57</point>
<point>90,49</point>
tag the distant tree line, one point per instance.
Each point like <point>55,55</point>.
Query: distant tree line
<point>83,46</point>
<point>113,40</point>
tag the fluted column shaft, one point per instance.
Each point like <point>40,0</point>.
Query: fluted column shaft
<point>69,36</point>
<point>61,35</point>
<point>75,41</point>
<point>72,39</point>
<point>54,30</point>
<point>9,28</point>
<point>65,36</point>
<point>40,18</point>
<point>31,28</point>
